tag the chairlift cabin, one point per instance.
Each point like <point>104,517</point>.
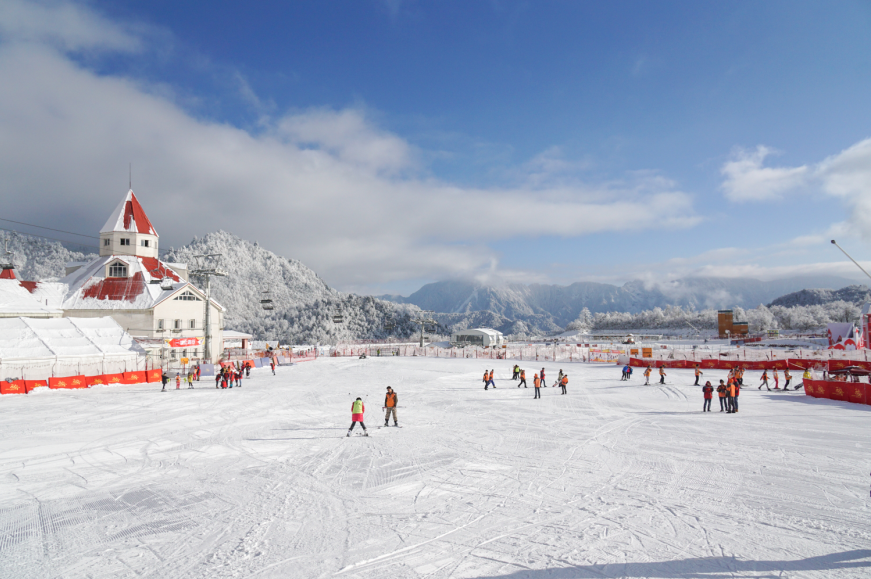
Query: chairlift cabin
<point>266,301</point>
<point>389,325</point>
<point>337,317</point>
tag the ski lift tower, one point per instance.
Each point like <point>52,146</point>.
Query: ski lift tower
<point>425,320</point>
<point>208,265</point>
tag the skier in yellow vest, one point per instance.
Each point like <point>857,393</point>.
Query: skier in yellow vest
<point>647,372</point>
<point>357,410</point>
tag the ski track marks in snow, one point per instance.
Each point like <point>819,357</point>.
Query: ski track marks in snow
<point>613,480</point>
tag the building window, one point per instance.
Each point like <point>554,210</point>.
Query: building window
<point>107,242</point>
<point>125,241</point>
<point>178,324</point>
<point>117,270</point>
<point>187,296</point>
<point>193,324</point>
<point>159,324</point>
<point>143,243</point>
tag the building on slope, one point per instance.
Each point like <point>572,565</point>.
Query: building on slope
<point>151,299</point>
<point>477,337</point>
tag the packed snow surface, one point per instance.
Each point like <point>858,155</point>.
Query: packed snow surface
<point>612,480</point>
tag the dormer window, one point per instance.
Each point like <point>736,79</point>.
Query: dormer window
<point>143,242</point>
<point>118,270</point>
<point>125,241</point>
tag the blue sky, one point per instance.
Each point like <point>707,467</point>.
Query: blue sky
<point>391,143</point>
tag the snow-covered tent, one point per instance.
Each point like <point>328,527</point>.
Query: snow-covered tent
<point>36,349</point>
<point>478,337</point>
<point>16,301</point>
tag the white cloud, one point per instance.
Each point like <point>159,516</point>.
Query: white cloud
<point>747,180</point>
<point>329,187</point>
<point>66,25</point>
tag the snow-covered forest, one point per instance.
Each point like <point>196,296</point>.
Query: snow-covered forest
<point>759,319</point>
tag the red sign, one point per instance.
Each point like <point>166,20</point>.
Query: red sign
<point>184,342</point>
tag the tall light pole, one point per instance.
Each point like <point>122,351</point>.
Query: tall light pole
<point>207,266</point>
<point>835,243</point>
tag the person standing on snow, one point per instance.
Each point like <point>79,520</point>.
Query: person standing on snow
<point>247,370</point>
<point>625,372</point>
<point>357,411</point>
<point>164,378</point>
<point>559,377</point>
<point>647,372</point>
<point>391,400</point>
<point>662,374</point>
<point>564,381</point>
<point>776,379</point>
<point>737,394</point>
<point>490,379</point>
<point>536,382</point>
<point>516,373</point>
<point>698,374</point>
<point>708,391</point>
<point>273,366</point>
<point>541,377</point>
<point>177,381</point>
<point>786,376</point>
<point>721,392</point>
<point>486,379</point>
<point>764,380</point>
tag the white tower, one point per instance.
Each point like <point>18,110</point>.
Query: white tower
<point>128,231</point>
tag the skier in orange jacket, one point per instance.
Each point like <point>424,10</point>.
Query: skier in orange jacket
<point>537,384</point>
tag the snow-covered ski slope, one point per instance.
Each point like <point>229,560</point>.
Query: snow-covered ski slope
<point>612,480</point>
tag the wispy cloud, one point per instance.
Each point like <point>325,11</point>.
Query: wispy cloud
<point>747,180</point>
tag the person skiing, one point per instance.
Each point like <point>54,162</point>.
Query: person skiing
<point>199,370</point>
<point>164,378</point>
<point>737,394</point>
<point>190,380</point>
<point>536,382</point>
<point>522,379</point>
<point>764,380</point>
<point>516,372</point>
<point>177,381</point>
<point>721,392</point>
<point>662,374</point>
<point>239,378</point>
<point>390,402</point>
<point>740,375</point>
<point>625,372</point>
<point>698,374</point>
<point>218,378</point>
<point>541,377</point>
<point>786,376</point>
<point>247,370</point>
<point>559,377</point>
<point>493,384</point>
<point>272,364</point>
<point>731,389</point>
<point>647,372</point>
<point>357,411</point>
<point>628,372</point>
<point>708,391</point>
<point>776,380</point>
<point>486,379</point>
<point>564,381</point>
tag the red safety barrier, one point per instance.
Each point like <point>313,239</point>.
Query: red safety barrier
<point>710,364</point>
<point>95,380</point>
<point>32,384</point>
<point>856,392</point>
<point>839,364</point>
<point>727,364</point>
<point>113,378</point>
<point>801,363</point>
<point>153,375</point>
<point>14,387</point>
<point>134,377</point>
<point>68,382</point>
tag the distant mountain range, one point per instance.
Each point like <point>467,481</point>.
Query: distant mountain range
<point>548,307</point>
<point>304,304</point>
<point>855,294</point>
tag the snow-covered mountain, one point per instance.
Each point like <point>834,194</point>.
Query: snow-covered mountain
<point>542,306</point>
<point>854,294</point>
<point>38,259</point>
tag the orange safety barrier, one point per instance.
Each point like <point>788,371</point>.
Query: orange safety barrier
<point>153,375</point>
<point>134,377</point>
<point>68,382</point>
<point>14,387</point>
<point>32,384</point>
<point>95,380</point>
<point>856,392</point>
<point>710,364</point>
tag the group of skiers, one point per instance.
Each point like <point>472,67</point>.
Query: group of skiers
<point>358,409</point>
<point>233,373</point>
<point>538,380</point>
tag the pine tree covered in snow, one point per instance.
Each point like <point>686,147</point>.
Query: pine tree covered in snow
<point>38,259</point>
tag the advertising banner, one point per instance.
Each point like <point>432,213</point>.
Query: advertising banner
<point>14,387</point>
<point>185,342</point>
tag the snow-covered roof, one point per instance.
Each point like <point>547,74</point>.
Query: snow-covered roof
<point>129,216</point>
<point>16,300</point>
<point>478,332</point>
<point>233,335</point>
<point>88,288</point>
<point>29,339</point>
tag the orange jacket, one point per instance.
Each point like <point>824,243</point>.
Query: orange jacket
<point>491,374</point>
<point>662,371</point>
<point>486,376</point>
<point>698,371</point>
<point>536,382</point>
<point>647,372</point>
<point>390,400</point>
<point>564,381</point>
<point>523,374</point>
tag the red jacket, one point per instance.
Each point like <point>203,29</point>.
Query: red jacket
<point>708,390</point>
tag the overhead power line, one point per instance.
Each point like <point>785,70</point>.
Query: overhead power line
<point>48,228</point>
